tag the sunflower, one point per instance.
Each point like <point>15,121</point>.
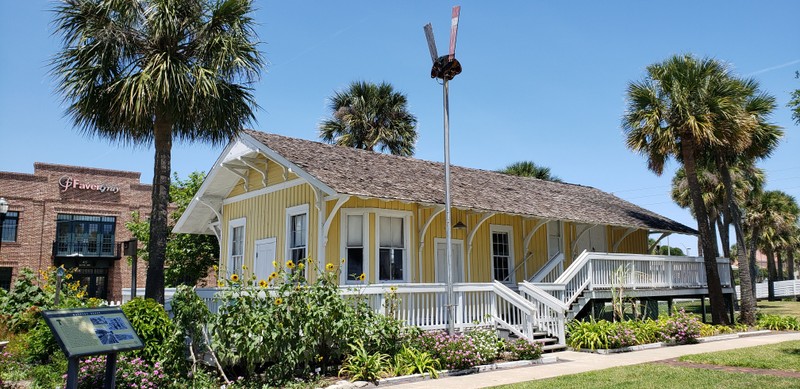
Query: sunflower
<point>290,264</point>
<point>263,284</point>
<point>273,276</point>
<point>275,264</point>
<point>341,261</point>
<point>329,267</point>
<point>244,267</point>
<point>309,260</point>
<point>278,301</point>
<point>301,266</point>
<point>215,267</point>
<point>235,277</point>
<point>220,283</point>
<point>362,277</point>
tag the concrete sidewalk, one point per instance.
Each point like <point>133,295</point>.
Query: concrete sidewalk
<point>571,362</point>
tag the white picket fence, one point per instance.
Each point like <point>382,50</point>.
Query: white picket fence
<point>787,288</point>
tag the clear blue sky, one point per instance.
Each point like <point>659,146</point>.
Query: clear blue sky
<point>542,81</point>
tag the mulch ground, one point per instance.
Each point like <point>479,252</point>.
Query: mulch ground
<point>734,369</point>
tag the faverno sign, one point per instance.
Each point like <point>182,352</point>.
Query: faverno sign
<point>68,182</point>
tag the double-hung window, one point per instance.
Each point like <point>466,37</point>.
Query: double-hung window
<point>236,234</point>
<point>392,251</point>
<point>502,254</point>
<point>8,232</point>
<point>355,247</point>
<point>297,234</point>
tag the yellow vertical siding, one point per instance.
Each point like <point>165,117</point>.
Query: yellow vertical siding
<point>256,180</point>
<point>266,217</point>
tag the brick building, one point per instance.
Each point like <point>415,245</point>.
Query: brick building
<point>72,216</point>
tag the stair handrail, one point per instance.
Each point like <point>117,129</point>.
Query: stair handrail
<point>548,267</point>
<point>545,320</point>
<point>515,299</point>
<point>573,268</point>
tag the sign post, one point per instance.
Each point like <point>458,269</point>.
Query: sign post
<point>92,331</point>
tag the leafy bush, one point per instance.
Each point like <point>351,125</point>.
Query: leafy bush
<point>23,303</point>
<point>131,373</point>
<point>622,335</point>
<point>153,326</point>
<point>454,352</point>
<point>778,323</point>
<point>712,330</point>
<point>360,365</point>
<point>285,326</point>
<point>41,344</point>
<point>522,349</point>
<point>413,361</point>
<point>680,327</point>
<point>589,334</point>
<point>486,343</point>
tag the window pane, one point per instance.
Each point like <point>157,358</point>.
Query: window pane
<point>5,278</point>
<point>355,230</point>
<point>386,232</point>
<point>355,262</point>
<point>397,265</point>
<point>298,233</point>
<point>385,264</point>
<point>397,232</point>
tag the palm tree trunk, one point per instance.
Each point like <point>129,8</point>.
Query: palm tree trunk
<point>707,240</point>
<point>713,226</point>
<point>723,226</point>
<point>154,287</point>
<point>779,269</point>
<point>753,251</point>
<point>790,261</point>
<point>771,273</point>
<point>732,215</point>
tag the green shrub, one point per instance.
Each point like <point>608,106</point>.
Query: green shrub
<point>153,326</point>
<point>680,327</point>
<point>486,343</point>
<point>41,344</point>
<point>131,373</point>
<point>589,334</point>
<point>778,323</point>
<point>523,349</point>
<point>296,327</point>
<point>454,352</point>
<point>361,365</point>
<point>50,375</point>
<point>413,361</point>
<point>23,303</point>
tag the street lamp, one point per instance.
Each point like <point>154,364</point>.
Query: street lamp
<point>3,211</point>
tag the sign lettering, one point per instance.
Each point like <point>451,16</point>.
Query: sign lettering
<point>68,182</point>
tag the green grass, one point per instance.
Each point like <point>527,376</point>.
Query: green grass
<point>659,376</point>
<point>781,356</point>
<point>779,307</point>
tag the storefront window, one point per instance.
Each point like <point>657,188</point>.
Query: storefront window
<point>85,235</point>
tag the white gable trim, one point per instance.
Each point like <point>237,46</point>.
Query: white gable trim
<point>263,191</point>
<point>252,142</point>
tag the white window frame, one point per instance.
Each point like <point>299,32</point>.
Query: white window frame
<point>295,211</point>
<point>344,213</point>
<point>510,231</point>
<point>406,215</point>
<point>235,223</point>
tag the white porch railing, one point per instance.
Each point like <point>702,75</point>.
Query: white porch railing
<point>787,288</point>
<point>599,271</point>
<point>551,270</point>
<point>425,306</point>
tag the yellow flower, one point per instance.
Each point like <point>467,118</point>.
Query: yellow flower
<point>273,276</point>
<point>309,260</point>
<point>342,261</point>
<point>329,267</point>
<point>220,283</point>
<point>278,301</point>
<point>290,264</point>
<point>275,264</point>
<point>362,277</point>
<point>235,277</point>
<point>215,267</point>
<point>301,265</point>
<point>244,267</point>
<point>393,289</point>
<point>263,284</point>
<point>68,276</point>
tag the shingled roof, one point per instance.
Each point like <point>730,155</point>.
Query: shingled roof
<point>370,174</point>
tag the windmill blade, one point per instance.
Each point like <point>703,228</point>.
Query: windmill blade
<point>431,42</point>
<point>454,31</point>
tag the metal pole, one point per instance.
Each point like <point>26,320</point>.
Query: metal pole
<point>451,317</point>
<point>134,264</point>
<point>110,381</point>
<point>72,373</point>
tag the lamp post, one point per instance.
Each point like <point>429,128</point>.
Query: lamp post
<point>3,211</point>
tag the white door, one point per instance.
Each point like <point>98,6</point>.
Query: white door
<point>553,238</point>
<point>593,240</point>
<point>441,260</point>
<point>265,255</point>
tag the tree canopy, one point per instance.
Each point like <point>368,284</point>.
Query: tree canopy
<point>530,169</point>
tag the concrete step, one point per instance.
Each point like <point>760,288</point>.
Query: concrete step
<point>551,348</point>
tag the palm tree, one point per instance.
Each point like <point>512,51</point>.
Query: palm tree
<point>673,113</point>
<point>369,116</point>
<point>769,215</point>
<point>148,72</point>
<point>529,169</point>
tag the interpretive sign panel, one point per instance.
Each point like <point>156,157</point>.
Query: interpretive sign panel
<point>92,331</point>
